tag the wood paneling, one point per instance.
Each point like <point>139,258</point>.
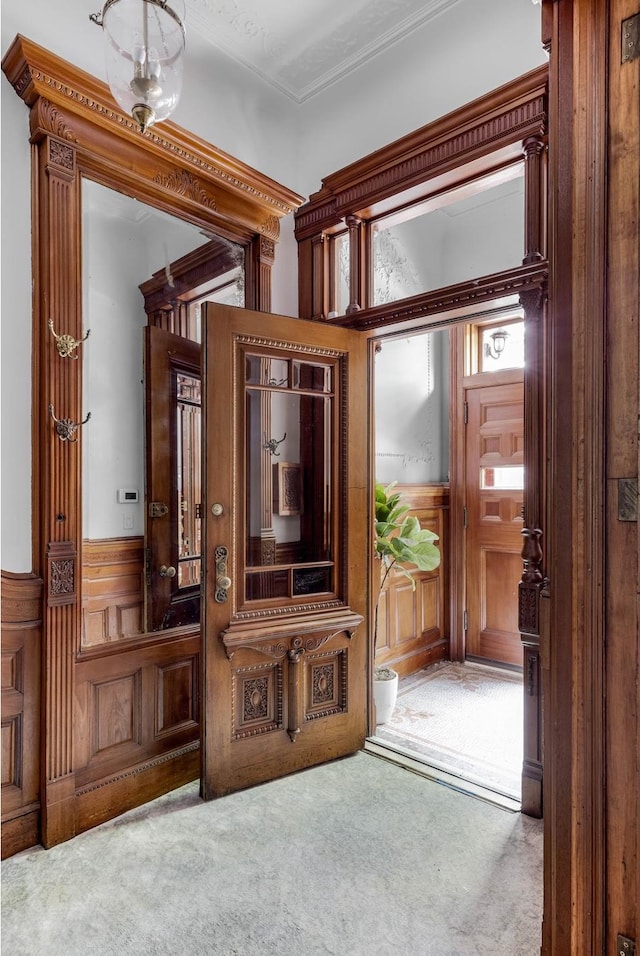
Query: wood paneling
<point>130,700</point>
<point>21,650</point>
<point>413,628</point>
<point>112,595</point>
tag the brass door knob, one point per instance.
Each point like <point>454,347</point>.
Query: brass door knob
<point>167,571</point>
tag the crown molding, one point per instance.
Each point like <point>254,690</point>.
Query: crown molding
<point>75,106</point>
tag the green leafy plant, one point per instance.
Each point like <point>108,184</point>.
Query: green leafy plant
<point>400,542</point>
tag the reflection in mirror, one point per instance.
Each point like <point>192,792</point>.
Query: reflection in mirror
<point>508,352</point>
<point>471,231</point>
<point>188,477</point>
<point>129,248</point>
<point>288,428</point>
<point>412,408</point>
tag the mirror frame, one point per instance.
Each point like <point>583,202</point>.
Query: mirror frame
<point>77,131</point>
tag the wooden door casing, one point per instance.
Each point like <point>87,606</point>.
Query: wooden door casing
<point>494,439</point>
<point>284,679</point>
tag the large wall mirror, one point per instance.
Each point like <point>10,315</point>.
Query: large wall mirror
<point>145,276</point>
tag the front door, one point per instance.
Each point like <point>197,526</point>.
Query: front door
<point>285,543</point>
<point>494,496</point>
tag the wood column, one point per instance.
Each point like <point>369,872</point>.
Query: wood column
<point>57,501</point>
<point>534,190</point>
<point>355,265</point>
<point>258,278</point>
<point>573,656</point>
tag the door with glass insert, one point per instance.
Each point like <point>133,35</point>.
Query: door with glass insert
<point>494,498</point>
<point>286,530</point>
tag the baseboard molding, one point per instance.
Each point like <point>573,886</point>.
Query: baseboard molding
<point>105,799</point>
<point>21,832</point>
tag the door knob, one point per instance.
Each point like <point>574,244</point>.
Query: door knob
<point>222,581</point>
<point>167,572</point>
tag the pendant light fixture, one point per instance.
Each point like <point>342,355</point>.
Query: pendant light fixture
<point>145,41</point>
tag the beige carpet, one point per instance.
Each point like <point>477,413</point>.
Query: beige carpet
<point>355,858</point>
<point>465,719</point>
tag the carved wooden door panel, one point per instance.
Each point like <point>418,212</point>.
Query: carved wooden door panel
<point>173,438</point>
<point>286,545</point>
<point>494,497</point>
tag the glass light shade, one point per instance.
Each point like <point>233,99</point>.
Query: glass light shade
<point>145,54</point>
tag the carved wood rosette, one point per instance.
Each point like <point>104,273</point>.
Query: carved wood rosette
<point>304,679</point>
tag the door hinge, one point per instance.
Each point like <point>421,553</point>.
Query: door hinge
<point>625,946</point>
<point>465,413</point>
<point>465,620</point>
<point>158,509</point>
<point>630,38</point>
<point>465,517</point>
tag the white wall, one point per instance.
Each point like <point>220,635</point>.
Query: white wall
<point>15,384</point>
<point>467,51</point>
<point>412,409</point>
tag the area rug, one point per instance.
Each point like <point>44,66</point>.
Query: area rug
<point>465,719</point>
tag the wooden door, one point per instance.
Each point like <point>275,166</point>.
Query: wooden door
<point>494,498</point>
<point>286,545</point>
<point>173,474</point>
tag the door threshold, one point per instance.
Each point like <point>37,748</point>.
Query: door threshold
<point>412,761</point>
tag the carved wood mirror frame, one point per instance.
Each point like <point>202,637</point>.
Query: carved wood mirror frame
<point>75,132</point>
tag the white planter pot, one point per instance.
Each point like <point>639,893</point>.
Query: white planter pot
<point>385,693</point>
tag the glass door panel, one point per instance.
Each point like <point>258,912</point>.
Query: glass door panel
<point>289,408</point>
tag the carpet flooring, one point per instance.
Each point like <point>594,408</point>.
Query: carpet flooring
<point>351,858</point>
<point>465,719</point>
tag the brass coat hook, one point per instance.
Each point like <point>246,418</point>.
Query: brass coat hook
<point>65,428</point>
<point>271,444</point>
<point>66,344</point>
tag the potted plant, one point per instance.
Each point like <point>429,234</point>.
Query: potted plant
<point>401,545</point>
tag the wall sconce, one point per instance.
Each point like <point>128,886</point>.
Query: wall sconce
<point>145,55</point>
<point>499,340</point>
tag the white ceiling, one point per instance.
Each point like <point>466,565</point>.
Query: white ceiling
<point>302,46</point>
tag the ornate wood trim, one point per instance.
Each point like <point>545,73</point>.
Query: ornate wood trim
<point>75,104</point>
<point>522,279</point>
<point>491,126</point>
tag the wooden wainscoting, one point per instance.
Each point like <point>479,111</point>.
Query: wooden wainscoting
<point>21,655</point>
<point>137,695</point>
<point>112,589</point>
<point>137,722</point>
<point>413,625</point>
